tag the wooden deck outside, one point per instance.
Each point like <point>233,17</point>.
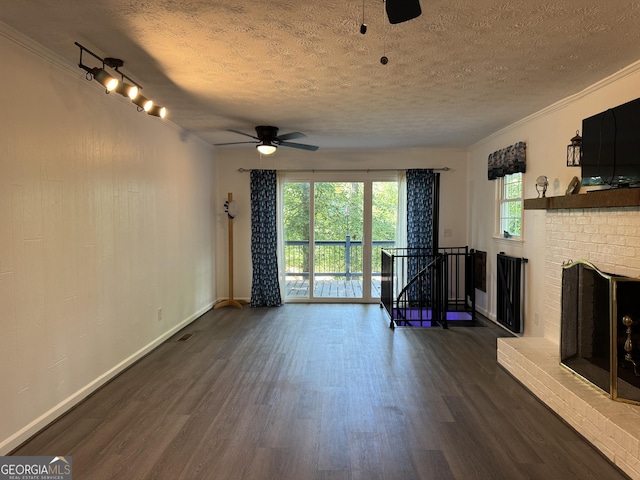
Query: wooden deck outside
<point>298,287</point>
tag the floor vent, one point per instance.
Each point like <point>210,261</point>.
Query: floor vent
<point>185,337</point>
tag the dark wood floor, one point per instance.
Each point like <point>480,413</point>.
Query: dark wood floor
<point>319,392</point>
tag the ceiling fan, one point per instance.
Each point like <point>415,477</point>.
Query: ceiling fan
<point>268,140</point>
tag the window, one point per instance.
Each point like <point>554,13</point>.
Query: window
<point>509,206</point>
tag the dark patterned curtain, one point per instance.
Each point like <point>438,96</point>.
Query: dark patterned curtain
<point>420,201</point>
<point>512,159</point>
<point>420,226</point>
<point>265,288</point>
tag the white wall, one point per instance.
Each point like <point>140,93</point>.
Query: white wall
<point>105,235</point>
<point>547,134</point>
<point>453,198</point>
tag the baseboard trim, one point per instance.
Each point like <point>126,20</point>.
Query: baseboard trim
<point>22,435</point>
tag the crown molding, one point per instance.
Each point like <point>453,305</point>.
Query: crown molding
<point>565,102</point>
<point>71,68</point>
<point>35,48</point>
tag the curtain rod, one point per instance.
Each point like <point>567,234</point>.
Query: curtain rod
<point>314,170</point>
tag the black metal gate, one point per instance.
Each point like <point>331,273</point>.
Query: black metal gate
<point>510,292</point>
<point>440,293</point>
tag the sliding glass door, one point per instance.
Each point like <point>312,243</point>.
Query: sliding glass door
<point>297,208</point>
<point>333,231</point>
<point>384,220</point>
<point>337,239</point>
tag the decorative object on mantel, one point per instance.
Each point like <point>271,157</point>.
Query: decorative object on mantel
<point>542,183</point>
<point>574,186</point>
<point>511,159</point>
<point>574,151</point>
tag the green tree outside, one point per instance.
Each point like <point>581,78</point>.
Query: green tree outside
<point>338,214</point>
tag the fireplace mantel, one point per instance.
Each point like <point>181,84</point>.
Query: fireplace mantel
<point>623,197</point>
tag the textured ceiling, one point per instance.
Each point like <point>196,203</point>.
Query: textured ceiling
<point>457,73</point>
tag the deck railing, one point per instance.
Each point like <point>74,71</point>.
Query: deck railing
<point>332,258</point>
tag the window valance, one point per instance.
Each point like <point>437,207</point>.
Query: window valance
<point>507,161</point>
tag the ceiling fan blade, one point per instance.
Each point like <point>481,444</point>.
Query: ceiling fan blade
<point>242,133</point>
<point>233,143</point>
<point>301,146</point>
<point>291,136</point>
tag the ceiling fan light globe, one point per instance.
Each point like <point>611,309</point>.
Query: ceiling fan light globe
<point>266,149</point>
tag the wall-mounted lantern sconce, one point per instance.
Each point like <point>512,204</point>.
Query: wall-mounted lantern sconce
<point>574,151</point>
<point>111,82</point>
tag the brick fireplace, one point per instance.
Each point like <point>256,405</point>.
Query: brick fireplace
<point>610,239</point>
<point>599,340</point>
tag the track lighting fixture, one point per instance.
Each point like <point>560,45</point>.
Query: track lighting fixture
<point>157,111</point>
<point>143,103</point>
<point>111,83</point>
<point>107,81</point>
<point>127,90</point>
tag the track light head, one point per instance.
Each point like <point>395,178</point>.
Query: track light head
<point>157,111</point>
<point>127,90</point>
<point>143,103</point>
<point>107,81</point>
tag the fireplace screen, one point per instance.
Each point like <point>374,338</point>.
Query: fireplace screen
<point>600,330</point>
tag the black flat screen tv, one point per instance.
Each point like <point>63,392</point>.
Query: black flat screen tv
<point>611,147</point>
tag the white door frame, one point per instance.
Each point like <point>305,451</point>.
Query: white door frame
<point>367,179</point>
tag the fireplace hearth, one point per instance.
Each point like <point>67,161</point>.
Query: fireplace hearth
<point>600,329</point>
